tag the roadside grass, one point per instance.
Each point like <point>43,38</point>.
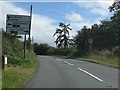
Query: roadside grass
<point>18,70</point>
<point>102,59</point>
<point>16,77</point>
<point>0,79</point>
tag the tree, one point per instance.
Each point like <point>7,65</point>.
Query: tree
<point>41,49</point>
<point>104,36</point>
<point>63,38</point>
<point>81,40</point>
<point>115,6</point>
<point>116,18</point>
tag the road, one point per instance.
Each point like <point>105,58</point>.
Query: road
<point>55,72</point>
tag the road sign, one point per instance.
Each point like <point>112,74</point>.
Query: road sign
<point>17,24</point>
<point>90,40</point>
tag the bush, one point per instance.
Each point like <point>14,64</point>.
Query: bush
<point>13,49</point>
<point>61,51</point>
<point>41,49</point>
<point>51,51</point>
<point>116,51</point>
<point>105,53</point>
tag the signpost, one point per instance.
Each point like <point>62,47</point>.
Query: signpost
<point>90,41</point>
<point>17,24</point>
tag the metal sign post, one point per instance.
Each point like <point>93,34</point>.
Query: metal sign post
<point>25,46</point>
<point>90,41</point>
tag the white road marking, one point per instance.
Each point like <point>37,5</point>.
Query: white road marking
<point>90,74</point>
<point>58,59</point>
<point>69,63</point>
<point>86,72</point>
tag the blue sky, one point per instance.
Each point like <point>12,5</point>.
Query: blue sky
<point>57,10</point>
<point>47,15</point>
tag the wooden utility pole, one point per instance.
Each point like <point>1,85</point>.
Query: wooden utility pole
<point>30,21</point>
<point>29,39</point>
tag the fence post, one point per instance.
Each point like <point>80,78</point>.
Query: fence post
<point>3,62</point>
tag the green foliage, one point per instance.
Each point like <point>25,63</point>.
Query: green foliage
<point>81,41</point>
<point>0,79</point>
<point>115,6</point>
<point>104,57</point>
<point>29,46</point>
<point>51,51</point>
<point>105,35</point>
<point>61,51</point>
<point>19,69</point>
<point>63,36</point>
<point>13,48</point>
<point>64,52</point>
<point>16,77</point>
<point>116,50</point>
<point>45,49</point>
<point>41,49</point>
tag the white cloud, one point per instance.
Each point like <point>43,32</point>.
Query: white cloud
<point>96,7</point>
<point>42,29</point>
<point>42,26</point>
<point>74,17</point>
<point>79,22</point>
<point>99,11</point>
<point>99,7</point>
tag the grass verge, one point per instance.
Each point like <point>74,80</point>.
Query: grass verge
<point>111,61</point>
<point>0,79</point>
<point>16,77</point>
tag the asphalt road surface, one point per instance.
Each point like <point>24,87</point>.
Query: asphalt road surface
<point>55,72</point>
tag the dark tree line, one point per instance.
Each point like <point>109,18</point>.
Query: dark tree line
<point>104,36</point>
<point>41,49</point>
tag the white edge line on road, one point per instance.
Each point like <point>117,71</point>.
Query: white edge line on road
<point>58,59</point>
<point>90,74</point>
<point>69,63</point>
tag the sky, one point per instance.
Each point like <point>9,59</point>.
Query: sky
<point>47,15</point>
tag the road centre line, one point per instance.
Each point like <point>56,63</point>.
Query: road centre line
<point>58,59</point>
<point>86,72</point>
<point>69,63</point>
<point>90,74</point>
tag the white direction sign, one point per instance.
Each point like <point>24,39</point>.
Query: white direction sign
<point>17,24</point>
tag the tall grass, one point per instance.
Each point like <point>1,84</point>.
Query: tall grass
<point>103,57</point>
<point>0,79</point>
<point>16,77</point>
<point>13,48</point>
<point>18,70</point>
